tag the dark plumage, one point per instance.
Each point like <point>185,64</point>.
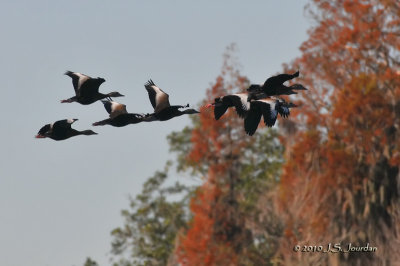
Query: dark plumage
<point>162,109</point>
<point>87,89</point>
<point>238,100</point>
<point>121,120</point>
<point>269,108</point>
<point>274,86</point>
<point>61,130</point>
<point>119,117</point>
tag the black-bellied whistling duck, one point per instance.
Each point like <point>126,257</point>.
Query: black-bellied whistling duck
<point>269,109</point>
<point>119,117</point>
<point>274,86</point>
<point>61,130</point>
<point>162,109</point>
<point>237,100</point>
<point>87,89</point>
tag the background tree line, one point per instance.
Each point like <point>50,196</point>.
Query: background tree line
<point>329,174</point>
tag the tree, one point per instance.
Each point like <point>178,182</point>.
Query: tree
<point>90,262</point>
<point>235,172</point>
<point>340,182</point>
<point>152,223</point>
<point>221,222</point>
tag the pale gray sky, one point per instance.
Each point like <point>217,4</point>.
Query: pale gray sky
<point>60,200</point>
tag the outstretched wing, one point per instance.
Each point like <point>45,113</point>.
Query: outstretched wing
<point>61,127</point>
<point>114,108</point>
<point>268,110</point>
<point>158,98</point>
<point>283,108</point>
<point>279,79</point>
<point>219,110</point>
<point>78,80</point>
<point>240,102</point>
<point>252,120</point>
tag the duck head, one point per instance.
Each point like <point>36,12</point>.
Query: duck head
<point>43,132</point>
<point>115,94</point>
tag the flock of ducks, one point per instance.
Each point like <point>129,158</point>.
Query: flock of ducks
<point>259,100</point>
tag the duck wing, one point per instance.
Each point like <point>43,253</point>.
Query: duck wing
<point>114,108</point>
<point>279,79</point>
<point>240,102</point>
<point>78,80</point>
<point>158,98</point>
<point>219,110</point>
<point>268,110</point>
<point>61,127</point>
<point>283,109</point>
<point>252,119</point>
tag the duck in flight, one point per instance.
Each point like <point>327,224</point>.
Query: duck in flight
<point>162,109</point>
<point>119,116</point>
<point>87,89</point>
<point>274,86</point>
<point>237,100</point>
<point>269,108</point>
<point>61,130</point>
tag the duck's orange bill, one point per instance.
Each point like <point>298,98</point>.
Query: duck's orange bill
<point>40,137</point>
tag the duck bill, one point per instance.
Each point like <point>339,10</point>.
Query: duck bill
<point>39,136</point>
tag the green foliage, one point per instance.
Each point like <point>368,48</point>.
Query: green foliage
<point>151,223</point>
<point>240,171</point>
<point>260,167</point>
<point>181,144</point>
<point>90,262</point>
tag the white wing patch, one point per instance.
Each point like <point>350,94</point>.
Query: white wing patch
<point>243,100</point>
<point>117,109</point>
<point>162,99</point>
<point>82,79</point>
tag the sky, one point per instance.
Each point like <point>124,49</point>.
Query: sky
<point>59,201</point>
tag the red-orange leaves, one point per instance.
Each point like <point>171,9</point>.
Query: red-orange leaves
<point>340,181</point>
<point>217,146</point>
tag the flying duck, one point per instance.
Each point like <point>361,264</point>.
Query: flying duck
<point>269,109</point>
<point>274,86</point>
<point>61,130</point>
<point>87,89</point>
<point>162,109</point>
<point>237,100</point>
<point>119,116</point>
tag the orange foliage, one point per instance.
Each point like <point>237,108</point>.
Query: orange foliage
<point>340,179</point>
<point>215,232</point>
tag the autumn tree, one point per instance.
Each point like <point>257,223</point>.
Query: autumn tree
<point>340,182</point>
<point>221,222</point>
<point>236,169</point>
